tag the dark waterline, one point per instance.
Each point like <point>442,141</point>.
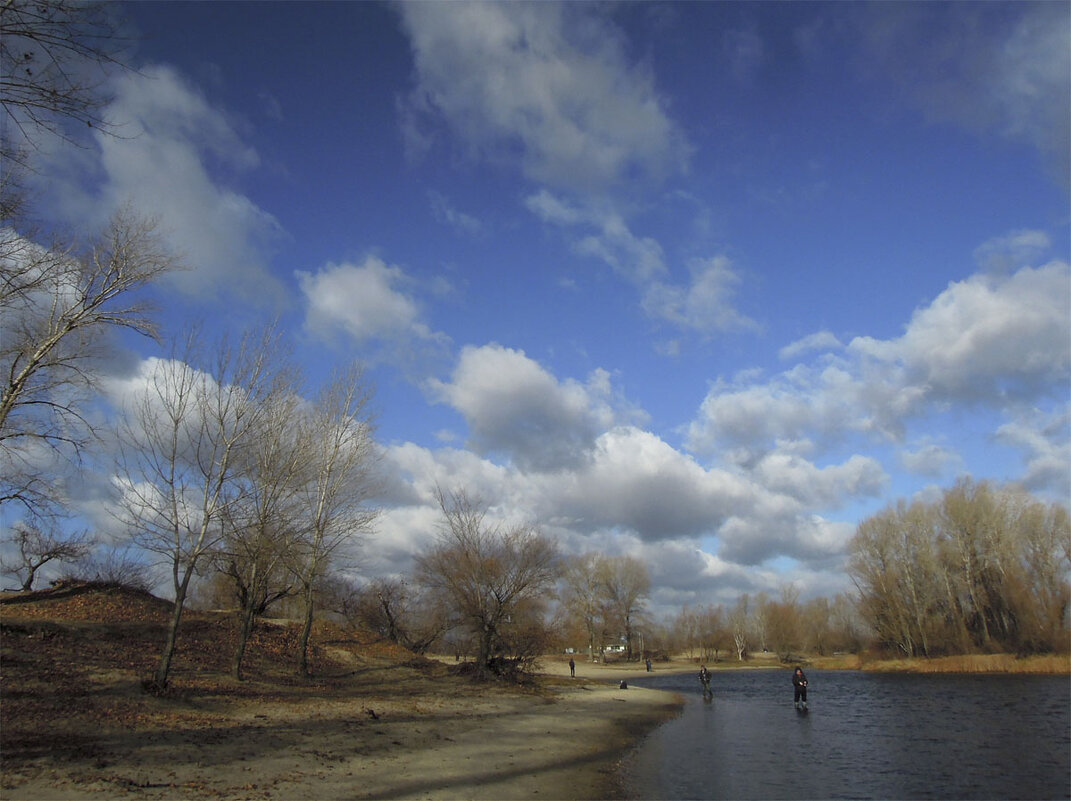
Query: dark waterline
<point>865,735</point>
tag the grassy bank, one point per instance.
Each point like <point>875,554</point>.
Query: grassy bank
<point>1047,664</point>
<point>1051,664</point>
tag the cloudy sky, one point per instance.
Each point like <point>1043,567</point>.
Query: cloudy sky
<point>703,283</point>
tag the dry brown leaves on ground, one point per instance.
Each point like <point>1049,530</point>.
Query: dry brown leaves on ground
<point>73,659</point>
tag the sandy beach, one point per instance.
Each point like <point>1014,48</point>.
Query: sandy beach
<point>391,731</point>
<point>374,720</point>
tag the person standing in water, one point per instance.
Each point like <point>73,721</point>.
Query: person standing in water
<point>799,687</point>
<point>704,679</point>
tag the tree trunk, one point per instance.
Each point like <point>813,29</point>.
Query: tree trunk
<point>248,595</point>
<point>486,643</point>
<point>245,628</point>
<point>306,632</point>
<point>392,626</point>
<point>163,669</point>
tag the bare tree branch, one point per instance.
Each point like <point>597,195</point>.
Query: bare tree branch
<point>55,56</point>
<point>38,546</point>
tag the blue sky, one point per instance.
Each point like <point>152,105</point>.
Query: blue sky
<point>705,283</point>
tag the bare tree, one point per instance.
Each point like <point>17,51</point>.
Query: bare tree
<point>340,455</point>
<point>57,302</point>
<point>816,620</point>
<point>493,577</point>
<point>760,621</point>
<point>583,596</point>
<point>876,569</point>
<point>849,630</point>
<point>686,631</point>
<point>1045,535</point>
<point>783,623</point>
<point>265,519</point>
<point>401,612</point>
<point>38,546</point>
<point>57,307</point>
<point>626,585</point>
<point>967,514</point>
<point>740,622</point>
<point>710,632</point>
<point>702,630</point>
<point>178,446</point>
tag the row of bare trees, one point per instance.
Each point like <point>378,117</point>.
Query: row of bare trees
<point>219,460</point>
<point>486,588</point>
<point>222,461</point>
<point>982,569</point>
<point>784,626</point>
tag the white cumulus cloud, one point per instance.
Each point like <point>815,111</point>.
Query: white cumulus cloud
<point>545,84</point>
<point>987,337</point>
<point>164,160</point>
<point>515,406</point>
<point>366,301</point>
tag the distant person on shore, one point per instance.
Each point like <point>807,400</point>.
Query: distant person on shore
<point>799,687</point>
<point>704,679</point>
<point>572,668</point>
<point>648,665</point>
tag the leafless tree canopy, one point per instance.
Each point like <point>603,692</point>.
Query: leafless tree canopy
<point>57,308</point>
<point>115,565</point>
<point>702,633</point>
<point>265,519</point>
<point>180,444</point>
<point>397,610</point>
<point>583,598</point>
<point>340,456</point>
<point>626,584</point>
<point>496,579</point>
<point>983,569</point>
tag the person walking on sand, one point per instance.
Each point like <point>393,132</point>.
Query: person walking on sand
<point>799,687</point>
<point>572,668</point>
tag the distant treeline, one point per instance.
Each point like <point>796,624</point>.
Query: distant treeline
<point>983,569</point>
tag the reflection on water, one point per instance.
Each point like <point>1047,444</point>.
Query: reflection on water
<point>865,736</point>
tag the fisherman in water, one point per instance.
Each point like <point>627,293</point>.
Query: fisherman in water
<point>704,679</point>
<point>799,687</point>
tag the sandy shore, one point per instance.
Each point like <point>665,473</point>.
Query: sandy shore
<point>428,739</point>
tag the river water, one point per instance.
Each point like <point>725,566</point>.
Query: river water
<point>864,736</point>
